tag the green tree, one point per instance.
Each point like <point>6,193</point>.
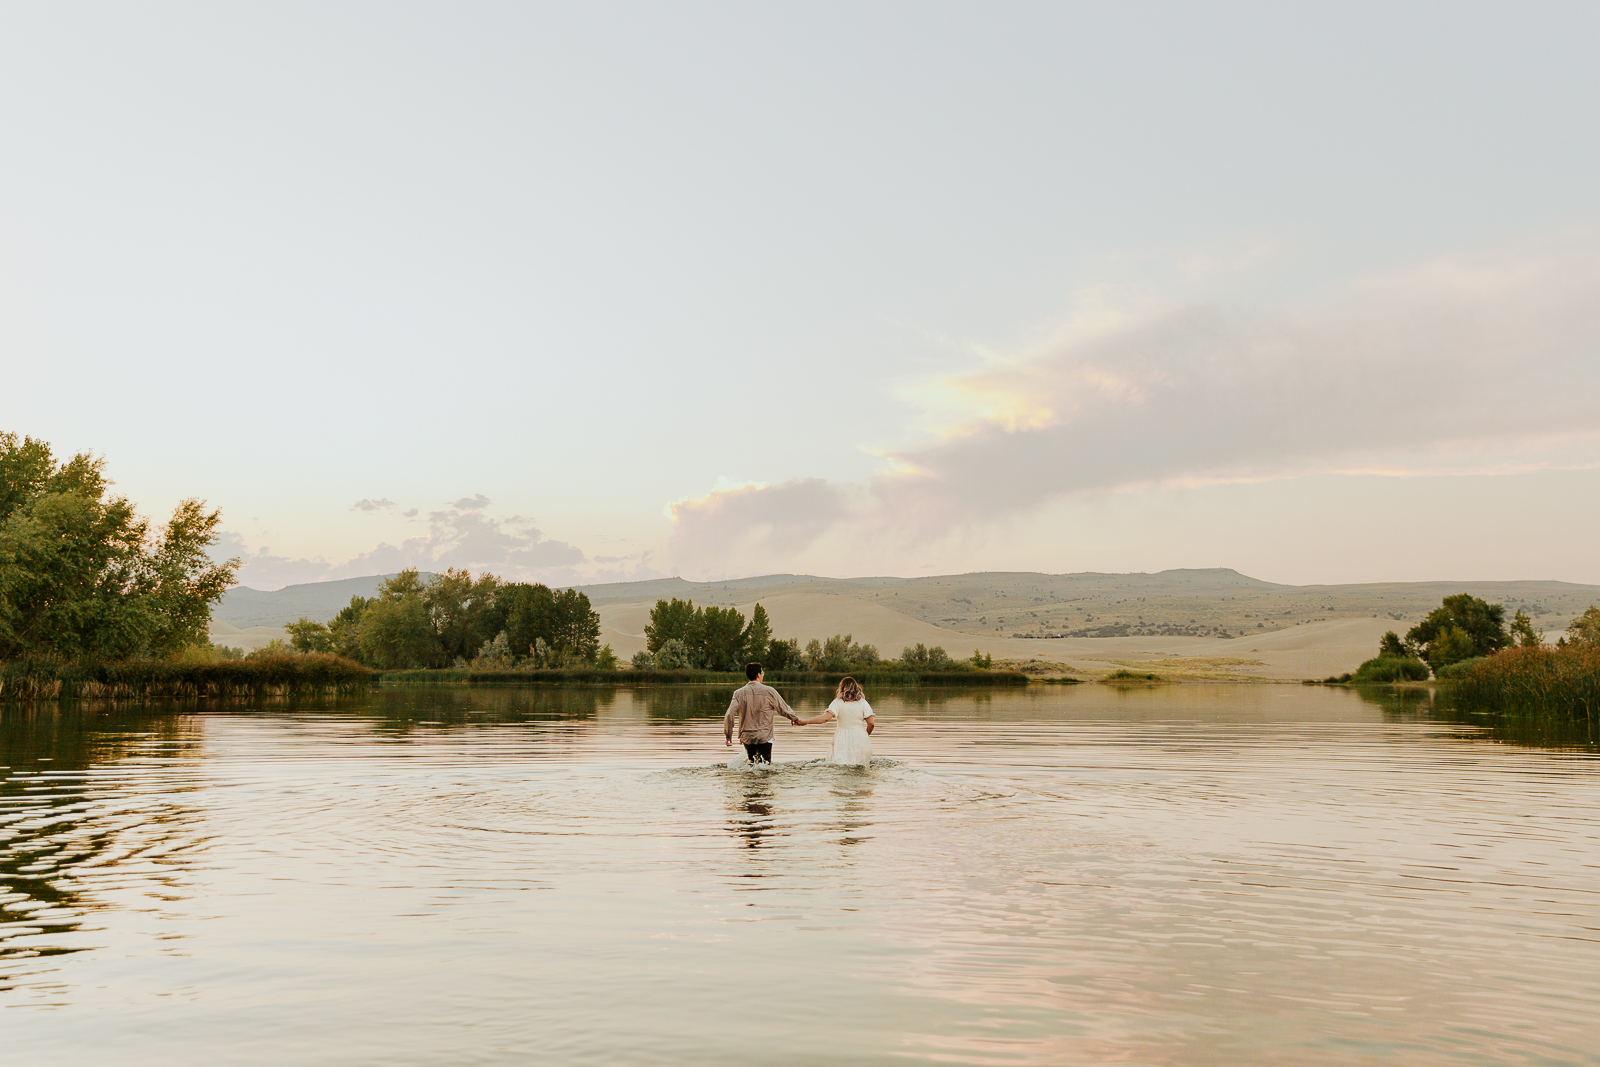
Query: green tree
<point>721,633</point>
<point>574,628</point>
<point>783,655</point>
<point>673,656</point>
<point>344,630</point>
<point>605,659</point>
<point>81,576</point>
<point>396,633</point>
<point>526,613</point>
<point>812,656</point>
<point>1392,647</point>
<point>1482,622</point>
<point>494,655</point>
<point>758,635</point>
<point>308,636</point>
<point>1585,629</point>
<point>669,620</point>
<point>840,653</point>
<point>1451,646</point>
<point>461,610</point>
<point>1522,632</point>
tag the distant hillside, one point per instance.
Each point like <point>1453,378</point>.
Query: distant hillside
<point>1212,602</point>
<point>318,601</point>
<point>1215,602</point>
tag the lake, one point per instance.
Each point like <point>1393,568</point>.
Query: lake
<point>1058,875</point>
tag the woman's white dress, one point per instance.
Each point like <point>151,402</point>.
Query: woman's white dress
<point>851,743</point>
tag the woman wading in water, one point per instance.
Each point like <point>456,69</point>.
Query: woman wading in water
<point>852,744</point>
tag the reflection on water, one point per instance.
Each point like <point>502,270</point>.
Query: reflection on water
<point>1535,731</point>
<point>81,827</point>
<point>1201,874</point>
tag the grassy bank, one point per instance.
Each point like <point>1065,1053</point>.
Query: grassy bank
<point>1557,682</point>
<point>290,675</point>
<point>589,676</point>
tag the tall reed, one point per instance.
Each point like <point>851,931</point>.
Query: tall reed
<point>286,675</point>
<point>1562,682</point>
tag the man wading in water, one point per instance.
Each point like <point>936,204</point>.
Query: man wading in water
<point>753,708</point>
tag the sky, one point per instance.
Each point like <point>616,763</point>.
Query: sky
<point>600,292</point>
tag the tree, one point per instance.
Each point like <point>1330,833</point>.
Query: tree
<point>758,635</point>
<point>81,575</point>
<point>673,656</point>
<point>1585,629</point>
<point>1392,647</point>
<point>1522,632</point>
<point>462,611</point>
<point>526,613</point>
<point>1452,646</point>
<point>783,655</point>
<point>925,658</point>
<point>669,620</point>
<point>396,633</point>
<point>495,655</point>
<point>344,631</point>
<point>722,635</point>
<point>1482,623</point>
<point>574,628</point>
<point>605,659</point>
<point>564,622</point>
<point>813,655</point>
<point>308,636</point>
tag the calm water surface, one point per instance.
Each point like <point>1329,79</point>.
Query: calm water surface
<point>1185,875</point>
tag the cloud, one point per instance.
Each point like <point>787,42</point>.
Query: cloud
<point>512,548</point>
<point>471,503</point>
<point>372,505</point>
<point>1473,364</point>
<point>411,514</point>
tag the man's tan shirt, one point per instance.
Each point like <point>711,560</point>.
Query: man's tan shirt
<point>753,708</point>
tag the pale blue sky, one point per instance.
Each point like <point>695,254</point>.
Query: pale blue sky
<point>605,290</point>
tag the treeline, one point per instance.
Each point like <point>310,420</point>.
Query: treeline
<point>1495,666</point>
<point>681,636</point>
<point>456,620</point>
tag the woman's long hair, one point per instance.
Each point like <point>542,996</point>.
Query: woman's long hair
<point>849,689</point>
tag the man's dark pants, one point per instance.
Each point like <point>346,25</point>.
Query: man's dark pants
<point>760,753</point>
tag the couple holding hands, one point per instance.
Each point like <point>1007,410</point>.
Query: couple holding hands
<point>756,705</point>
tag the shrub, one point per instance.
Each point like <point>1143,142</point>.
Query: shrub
<point>1391,669</point>
<point>1455,670</point>
<point>1560,682</point>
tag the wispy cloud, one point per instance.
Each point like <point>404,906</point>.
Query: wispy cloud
<point>512,547</point>
<point>372,505</point>
<point>1475,364</point>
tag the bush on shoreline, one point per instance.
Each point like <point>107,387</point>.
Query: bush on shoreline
<point>1562,682</point>
<point>280,675</point>
<point>1385,669</point>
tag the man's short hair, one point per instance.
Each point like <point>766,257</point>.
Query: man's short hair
<point>752,671</point>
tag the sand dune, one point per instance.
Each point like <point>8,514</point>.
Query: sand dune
<point>250,638</point>
<point>1313,650</point>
